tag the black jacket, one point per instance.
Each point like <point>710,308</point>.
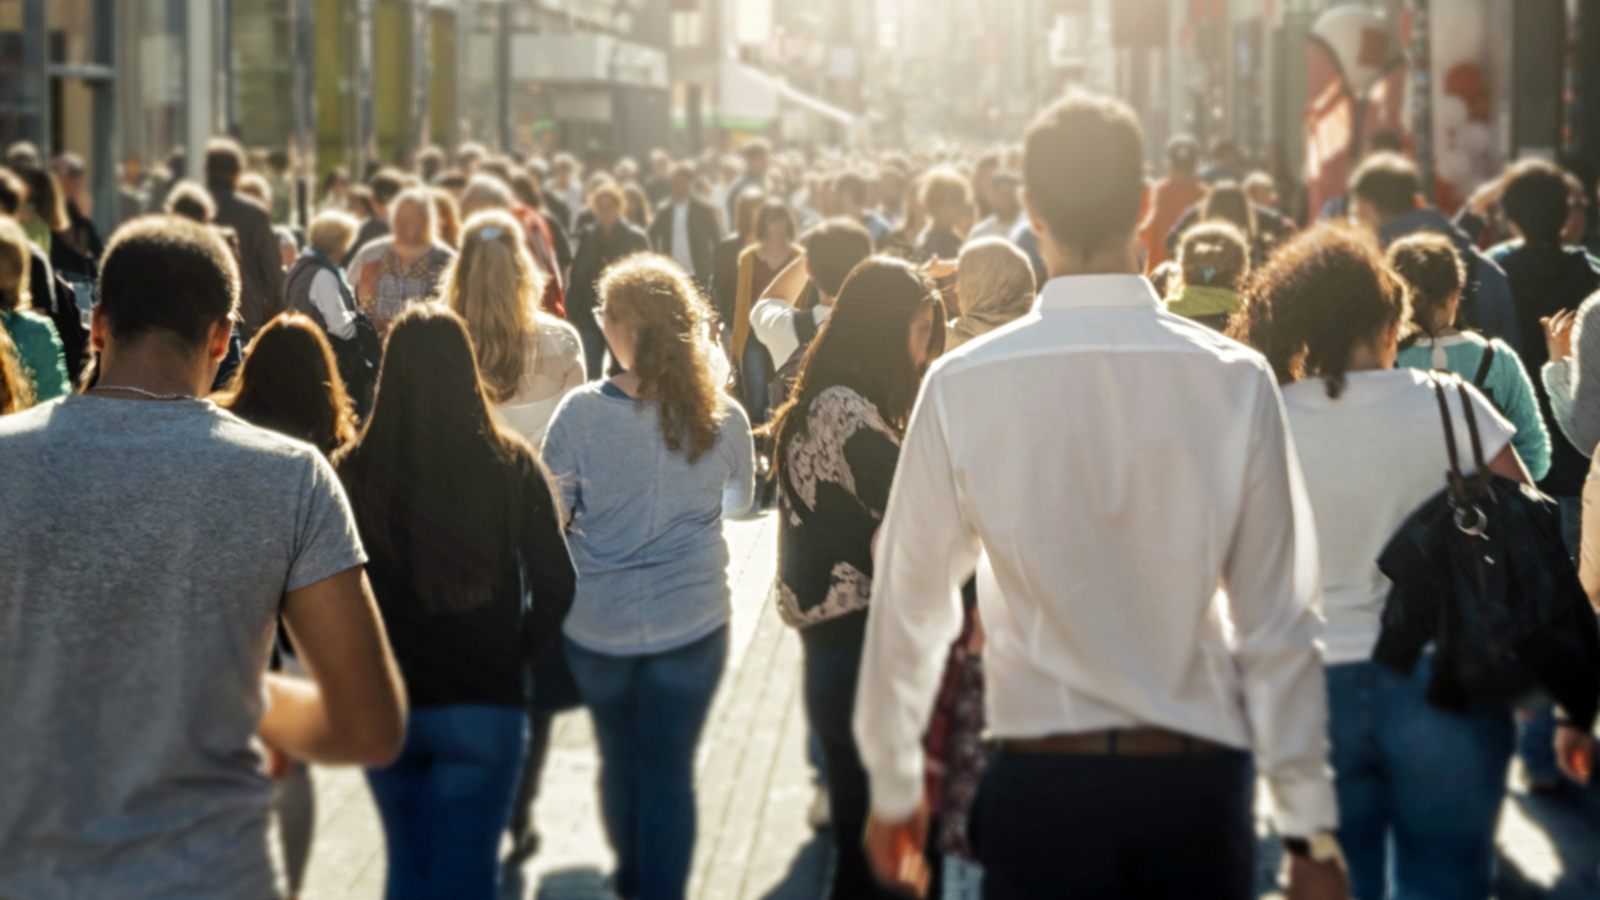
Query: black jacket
<point>260,259</point>
<point>597,250</point>
<point>702,235</point>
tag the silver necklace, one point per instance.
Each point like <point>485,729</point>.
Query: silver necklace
<point>135,390</point>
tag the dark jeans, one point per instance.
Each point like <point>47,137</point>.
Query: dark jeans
<point>756,373</point>
<point>1113,827</point>
<point>648,714</point>
<point>445,801</point>
<point>1420,788</point>
<point>594,343</point>
<point>832,667</point>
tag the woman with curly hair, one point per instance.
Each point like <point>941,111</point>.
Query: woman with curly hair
<point>1419,787</point>
<point>649,464</point>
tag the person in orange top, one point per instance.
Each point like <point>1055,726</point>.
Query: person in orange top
<point>1170,199</point>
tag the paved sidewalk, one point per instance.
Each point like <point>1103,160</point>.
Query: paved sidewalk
<point>754,789</point>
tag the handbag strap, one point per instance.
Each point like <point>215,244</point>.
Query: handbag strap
<point>1472,429</point>
<point>1449,427</point>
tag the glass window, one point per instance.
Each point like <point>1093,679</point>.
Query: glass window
<point>150,73</point>
<point>20,88</point>
<point>263,101</point>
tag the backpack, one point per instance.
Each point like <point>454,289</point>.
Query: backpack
<point>1481,572</point>
<point>782,383</point>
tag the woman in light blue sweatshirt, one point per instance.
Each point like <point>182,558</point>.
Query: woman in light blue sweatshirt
<point>1433,271</point>
<point>649,463</point>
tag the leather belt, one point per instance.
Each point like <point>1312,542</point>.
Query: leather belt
<point>1114,742</point>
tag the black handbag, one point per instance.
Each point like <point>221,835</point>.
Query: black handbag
<point>1481,571</point>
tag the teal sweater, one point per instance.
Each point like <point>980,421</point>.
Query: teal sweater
<point>1507,384</point>
<point>40,352</point>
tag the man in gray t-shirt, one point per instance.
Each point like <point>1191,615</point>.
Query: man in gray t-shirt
<point>151,541</point>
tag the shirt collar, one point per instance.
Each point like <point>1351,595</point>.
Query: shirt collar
<point>1085,291</point>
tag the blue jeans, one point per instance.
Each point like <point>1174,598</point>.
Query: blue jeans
<point>1419,788</point>
<point>446,800</point>
<point>648,714</point>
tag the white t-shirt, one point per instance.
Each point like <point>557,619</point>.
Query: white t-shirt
<point>1371,458</point>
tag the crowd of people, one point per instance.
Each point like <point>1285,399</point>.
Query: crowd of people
<point>1099,496</point>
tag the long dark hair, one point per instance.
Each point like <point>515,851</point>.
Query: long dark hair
<point>1322,295</point>
<point>289,383</point>
<point>864,346</point>
<point>432,479</point>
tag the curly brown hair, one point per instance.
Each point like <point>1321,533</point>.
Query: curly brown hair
<point>1322,295</point>
<point>653,294</point>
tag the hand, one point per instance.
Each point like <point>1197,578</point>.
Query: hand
<point>279,763</point>
<point>1558,334</point>
<point>895,852</point>
<point>1575,753</point>
<point>1486,196</point>
<point>1310,880</point>
<point>940,269</point>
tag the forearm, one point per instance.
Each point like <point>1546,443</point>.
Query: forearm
<point>297,722</point>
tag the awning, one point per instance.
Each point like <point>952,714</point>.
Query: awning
<point>749,93</point>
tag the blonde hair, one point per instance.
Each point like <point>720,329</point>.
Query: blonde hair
<point>255,186</point>
<point>16,260</point>
<point>485,192</point>
<point>608,189</point>
<point>16,391</point>
<point>333,232</point>
<point>495,286</point>
<point>422,199</point>
<point>673,361</point>
<point>995,284</point>
<point>447,217</point>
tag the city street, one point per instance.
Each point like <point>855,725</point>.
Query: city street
<point>755,787</point>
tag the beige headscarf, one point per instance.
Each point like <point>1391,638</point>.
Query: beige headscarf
<point>995,285</point>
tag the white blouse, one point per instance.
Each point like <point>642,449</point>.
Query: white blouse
<point>556,370</point>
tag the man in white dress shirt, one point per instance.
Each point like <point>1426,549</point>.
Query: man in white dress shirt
<point>1152,644</point>
<point>685,227</point>
<point>779,320</point>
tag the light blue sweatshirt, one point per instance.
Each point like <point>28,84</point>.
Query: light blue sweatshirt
<point>646,531</point>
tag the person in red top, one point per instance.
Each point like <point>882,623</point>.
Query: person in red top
<point>1171,197</point>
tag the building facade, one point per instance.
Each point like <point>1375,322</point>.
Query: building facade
<point>130,84</point>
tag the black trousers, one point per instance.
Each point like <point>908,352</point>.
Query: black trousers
<point>1136,827</point>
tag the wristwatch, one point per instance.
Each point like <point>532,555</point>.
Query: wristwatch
<point>1319,848</point>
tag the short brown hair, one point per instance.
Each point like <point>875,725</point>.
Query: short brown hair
<point>165,273</point>
<point>1084,169</point>
<point>224,161</point>
<point>1389,182</point>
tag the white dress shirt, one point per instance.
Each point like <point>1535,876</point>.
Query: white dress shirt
<point>772,320</point>
<point>326,298</point>
<point>1131,478</point>
<point>680,236</point>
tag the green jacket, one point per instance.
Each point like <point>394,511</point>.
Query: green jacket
<point>40,351</point>
<point>1199,301</point>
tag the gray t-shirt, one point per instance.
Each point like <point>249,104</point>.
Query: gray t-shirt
<point>145,548</point>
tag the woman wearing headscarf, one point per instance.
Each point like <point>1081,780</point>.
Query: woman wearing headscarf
<point>994,286</point>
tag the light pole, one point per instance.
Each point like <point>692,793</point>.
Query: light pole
<point>1422,92</point>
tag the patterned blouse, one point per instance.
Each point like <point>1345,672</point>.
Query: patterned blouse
<point>385,288</point>
<point>835,484</point>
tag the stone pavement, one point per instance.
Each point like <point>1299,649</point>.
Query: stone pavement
<point>754,787</point>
